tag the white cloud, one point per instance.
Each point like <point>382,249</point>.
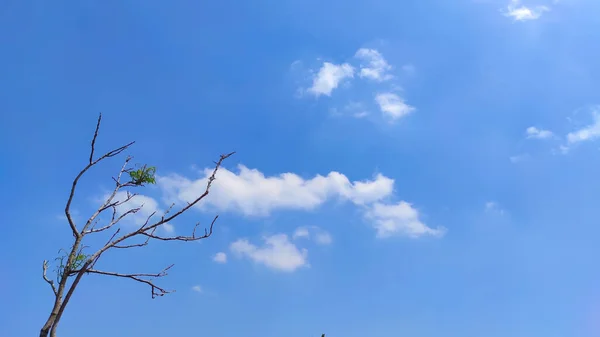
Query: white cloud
<point>323,238</point>
<point>277,253</point>
<point>301,232</point>
<point>356,109</point>
<point>329,77</point>
<point>376,67</point>
<point>519,12</point>
<point>220,257</point>
<point>197,288</point>
<point>399,219</point>
<point>319,235</point>
<point>494,207</point>
<point>533,132</point>
<point>518,158</point>
<point>588,132</point>
<point>393,105</point>
<point>562,149</point>
<point>252,193</point>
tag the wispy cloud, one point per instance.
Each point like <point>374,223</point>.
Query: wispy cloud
<point>352,108</point>
<point>588,132</point>
<point>520,12</point>
<point>329,77</point>
<point>376,67</point>
<point>494,207</point>
<point>400,218</point>
<point>197,288</point>
<point>518,158</point>
<point>277,253</point>
<point>392,105</point>
<point>220,257</point>
<point>319,235</point>
<point>372,66</point>
<point>534,132</point>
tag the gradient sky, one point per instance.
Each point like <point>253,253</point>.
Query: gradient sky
<point>403,168</point>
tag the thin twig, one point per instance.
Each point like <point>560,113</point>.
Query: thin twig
<point>91,163</point>
<point>156,290</point>
<point>95,137</point>
<point>50,282</point>
<point>185,238</point>
<point>109,201</point>
<point>143,230</point>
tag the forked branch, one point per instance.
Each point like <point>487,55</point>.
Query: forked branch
<point>45,276</point>
<point>142,278</point>
<point>78,264</point>
<point>91,163</point>
<point>149,230</point>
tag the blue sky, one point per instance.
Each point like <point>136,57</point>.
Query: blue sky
<point>414,168</point>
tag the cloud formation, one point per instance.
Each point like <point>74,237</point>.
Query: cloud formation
<point>519,12</point>
<point>494,207</point>
<point>249,192</point>
<point>277,252</point>
<point>315,233</point>
<point>329,77</point>
<point>399,218</point>
<point>518,158</point>
<point>534,132</point>
<point>372,66</point>
<point>392,105</point>
<point>220,257</point>
<point>588,132</point>
<point>375,67</point>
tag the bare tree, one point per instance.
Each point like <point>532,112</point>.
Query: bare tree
<point>74,264</point>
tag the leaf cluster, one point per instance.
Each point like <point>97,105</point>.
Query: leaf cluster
<point>144,175</point>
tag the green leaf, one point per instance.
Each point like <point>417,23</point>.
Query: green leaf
<point>144,175</point>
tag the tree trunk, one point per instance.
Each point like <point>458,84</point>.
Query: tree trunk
<point>45,331</point>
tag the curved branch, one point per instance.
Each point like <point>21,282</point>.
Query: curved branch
<point>109,202</point>
<point>91,163</point>
<point>143,278</point>
<point>50,282</point>
<point>143,230</point>
<point>193,237</point>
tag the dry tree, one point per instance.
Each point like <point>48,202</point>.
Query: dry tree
<point>74,263</point>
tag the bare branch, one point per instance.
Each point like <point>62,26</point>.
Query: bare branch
<point>114,220</point>
<point>91,163</point>
<point>202,196</point>
<point>95,137</point>
<point>206,191</point>
<point>143,278</point>
<point>145,243</point>
<point>109,203</point>
<point>78,264</point>
<point>50,282</point>
<point>144,229</point>
<point>193,237</point>
<point>114,234</point>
